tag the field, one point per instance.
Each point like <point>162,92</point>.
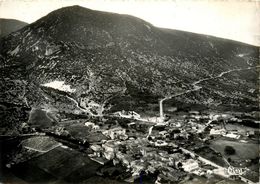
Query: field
<point>211,180</point>
<point>62,164</point>
<point>39,118</point>
<point>243,150</point>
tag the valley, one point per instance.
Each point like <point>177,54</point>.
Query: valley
<point>96,96</point>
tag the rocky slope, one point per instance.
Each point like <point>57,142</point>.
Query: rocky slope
<point>108,60</point>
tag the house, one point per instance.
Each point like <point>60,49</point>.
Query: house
<point>217,117</point>
<point>200,128</point>
<point>175,124</point>
<point>194,112</point>
<point>137,167</point>
<point>163,133</point>
<point>115,133</point>
<point>109,155</point>
<point>97,150</point>
<point>171,162</point>
<point>153,119</point>
<point>91,125</point>
<point>217,131</point>
<point>109,149</point>
<point>232,135</point>
<point>148,151</point>
<point>161,143</point>
<point>127,114</point>
<point>95,127</point>
<point>199,172</point>
<point>190,165</point>
<point>131,125</point>
<point>250,133</point>
<point>172,109</point>
<point>151,154</point>
<point>134,114</point>
<point>119,155</point>
<point>151,169</point>
<point>127,160</point>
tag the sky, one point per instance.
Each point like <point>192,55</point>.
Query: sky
<point>232,19</point>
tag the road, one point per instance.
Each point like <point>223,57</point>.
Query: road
<point>79,107</point>
<point>201,158</point>
<point>206,161</point>
<point>196,87</point>
<point>149,131</point>
<point>96,115</point>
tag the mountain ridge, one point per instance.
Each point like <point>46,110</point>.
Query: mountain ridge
<point>114,61</point>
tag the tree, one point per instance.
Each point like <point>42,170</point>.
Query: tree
<point>229,150</point>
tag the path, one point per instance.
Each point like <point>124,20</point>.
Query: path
<point>196,87</point>
<point>78,106</point>
<point>206,161</point>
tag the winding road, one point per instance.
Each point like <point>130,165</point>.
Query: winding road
<point>79,107</point>
<point>196,87</point>
<point>220,168</point>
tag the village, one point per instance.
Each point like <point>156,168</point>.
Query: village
<point>169,145</point>
<point>167,148</point>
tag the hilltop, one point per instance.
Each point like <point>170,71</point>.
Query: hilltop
<point>111,62</point>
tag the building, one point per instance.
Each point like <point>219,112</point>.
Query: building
<point>190,165</point>
<point>145,150</point>
<point>131,125</point>
<point>164,134</point>
<point>126,160</point>
<point>128,114</point>
<point>232,135</point>
<point>160,143</point>
<point>97,150</point>
<point>137,166</point>
<point>92,126</point>
<point>217,131</point>
<point>116,133</point>
<point>119,155</point>
<point>250,133</point>
<point>194,112</point>
<point>109,149</point>
<point>176,124</point>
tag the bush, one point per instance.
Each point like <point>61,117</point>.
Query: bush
<point>229,150</point>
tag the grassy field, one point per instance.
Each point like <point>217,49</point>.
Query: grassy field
<point>39,118</point>
<point>213,179</point>
<point>58,164</point>
<point>243,150</point>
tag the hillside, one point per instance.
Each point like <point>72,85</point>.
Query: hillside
<point>112,62</point>
<point>8,26</point>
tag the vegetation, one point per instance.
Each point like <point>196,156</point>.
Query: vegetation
<point>117,62</point>
<point>229,150</point>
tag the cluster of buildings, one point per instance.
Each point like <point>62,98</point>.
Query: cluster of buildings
<point>141,155</point>
<point>149,154</point>
<point>127,114</point>
<point>151,147</point>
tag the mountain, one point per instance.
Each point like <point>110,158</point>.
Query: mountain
<point>8,26</point>
<point>103,62</point>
